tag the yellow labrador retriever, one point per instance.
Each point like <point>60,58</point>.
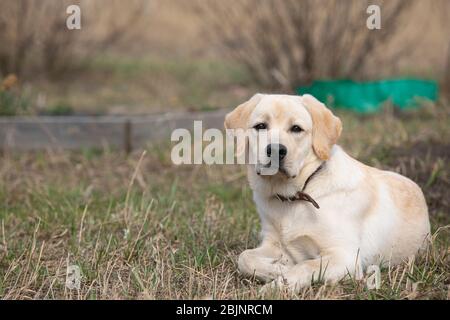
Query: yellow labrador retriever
<point>324,214</point>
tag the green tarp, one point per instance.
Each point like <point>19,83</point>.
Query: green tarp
<point>367,97</point>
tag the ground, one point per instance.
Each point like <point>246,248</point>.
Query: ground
<point>111,84</point>
<point>140,227</point>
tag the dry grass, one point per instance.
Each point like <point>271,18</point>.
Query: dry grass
<point>141,228</point>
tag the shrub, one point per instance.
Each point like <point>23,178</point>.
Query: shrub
<point>290,43</point>
<point>12,101</point>
<point>35,39</point>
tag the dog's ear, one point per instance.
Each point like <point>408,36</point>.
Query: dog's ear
<point>326,127</point>
<point>238,118</point>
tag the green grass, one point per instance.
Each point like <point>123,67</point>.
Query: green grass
<point>12,103</point>
<point>115,84</point>
<point>142,228</point>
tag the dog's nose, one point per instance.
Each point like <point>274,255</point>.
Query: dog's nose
<point>276,147</point>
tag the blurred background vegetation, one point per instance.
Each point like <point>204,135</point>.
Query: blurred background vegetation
<point>144,56</point>
<point>135,223</point>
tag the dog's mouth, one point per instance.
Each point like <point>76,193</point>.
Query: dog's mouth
<point>271,169</point>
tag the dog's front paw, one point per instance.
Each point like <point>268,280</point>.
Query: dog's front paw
<point>285,261</point>
<point>276,285</point>
<point>286,283</point>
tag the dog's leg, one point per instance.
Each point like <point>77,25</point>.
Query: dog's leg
<point>330,267</point>
<point>266,262</point>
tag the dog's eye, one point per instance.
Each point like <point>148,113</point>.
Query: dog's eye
<point>296,128</point>
<point>260,126</point>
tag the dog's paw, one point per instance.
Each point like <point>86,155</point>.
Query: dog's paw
<point>292,285</point>
<point>276,285</point>
<point>284,261</point>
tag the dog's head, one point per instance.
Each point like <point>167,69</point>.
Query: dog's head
<point>299,129</point>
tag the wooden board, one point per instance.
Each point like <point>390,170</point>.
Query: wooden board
<point>78,132</point>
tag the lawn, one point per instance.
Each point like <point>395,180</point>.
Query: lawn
<point>140,227</point>
<point>112,84</point>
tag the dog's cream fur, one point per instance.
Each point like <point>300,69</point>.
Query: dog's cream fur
<point>366,216</point>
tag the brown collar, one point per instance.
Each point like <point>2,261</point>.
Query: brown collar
<point>300,195</point>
